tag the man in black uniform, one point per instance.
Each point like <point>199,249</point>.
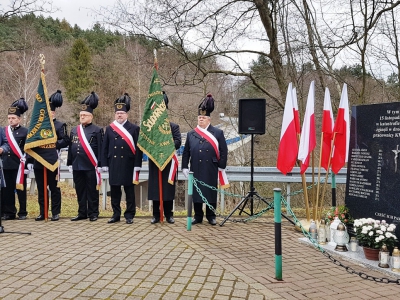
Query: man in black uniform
<point>207,151</point>
<point>83,160</point>
<point>14,164</point>
<point>169,178</point>
<point>55,100</point>
<point>122,159</point>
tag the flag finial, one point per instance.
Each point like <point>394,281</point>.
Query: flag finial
<point>155,59</point>
<point>42,61</point>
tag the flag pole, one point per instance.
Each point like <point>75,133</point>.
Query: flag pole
<point>319,176</point>
<point>303,179</point>
<point>327,174</point>
<point>160,187</point>
<point>312,189</point>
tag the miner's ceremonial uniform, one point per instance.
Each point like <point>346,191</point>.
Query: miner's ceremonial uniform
<point>14,163</point>
<point>52,176</point>
<point>207,152</point>
<point>84,160</point>
<point>167,187</point>
<point>122,159</point>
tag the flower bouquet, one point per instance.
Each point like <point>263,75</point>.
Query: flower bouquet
<point>342,212</point>
<point>374,233</point>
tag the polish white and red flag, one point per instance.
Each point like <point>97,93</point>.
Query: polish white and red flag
<point>341,132</point>
<point>308,139</point>
<point>296,111</point>
<point>288,147</point>
<point>327,130</point>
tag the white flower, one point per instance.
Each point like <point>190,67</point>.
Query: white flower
<point>383,222</point>
<point>383,228</point>
<point>371,233</point>
<point>388,234</point>
<point>379,231</point>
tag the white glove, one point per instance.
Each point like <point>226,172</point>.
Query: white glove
<point>30,167</point>
<point>70,169</point>
<point>26,171</point>
<point>185,172</point>
<point>105,169</point>
<point>99,169</point>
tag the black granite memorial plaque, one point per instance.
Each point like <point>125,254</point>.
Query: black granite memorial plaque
<point>373,171</point>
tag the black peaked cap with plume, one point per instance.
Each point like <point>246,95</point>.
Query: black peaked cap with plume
<point>56,100</point>
<point>206,107</point>
<point>18,107</point>
<point>90,102</point>
<point>123,103</point>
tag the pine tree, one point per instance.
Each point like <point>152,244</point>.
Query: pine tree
<point>77,70</point>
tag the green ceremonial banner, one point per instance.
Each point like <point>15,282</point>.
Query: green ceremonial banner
<point>41,139</point>
<point>155,138</point>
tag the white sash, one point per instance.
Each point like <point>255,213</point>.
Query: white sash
<point>17,151</point>
<point>222,177</point>
<point>89,152</point>
<point>125,134</point>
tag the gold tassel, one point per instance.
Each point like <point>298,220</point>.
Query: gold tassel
<point>19,186</point>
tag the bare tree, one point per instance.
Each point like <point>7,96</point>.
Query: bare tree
<point>11,8</point>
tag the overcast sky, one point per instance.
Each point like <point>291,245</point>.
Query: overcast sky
<point>79,11</point>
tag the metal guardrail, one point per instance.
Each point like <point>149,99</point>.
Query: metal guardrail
<point>235,174</point>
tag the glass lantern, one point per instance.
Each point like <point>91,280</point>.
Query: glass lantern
<point>341,238</point>
<point>396,260</point>
<point>322,233</point>
<point>384,257</point>
<point>353,244</point>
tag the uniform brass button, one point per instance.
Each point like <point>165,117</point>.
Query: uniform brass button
<point>201,142</point>
<point>122,147</point>
<point>115,156</point>
<point>115,147</point>
<point>199,150</point>
<point>122,156</point>
<point>200,160</point>
<point>115,138</point>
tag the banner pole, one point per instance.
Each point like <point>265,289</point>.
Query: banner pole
<point>160,189</point>
<point>45,196</point>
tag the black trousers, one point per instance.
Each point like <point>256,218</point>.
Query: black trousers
<point>199,214</point>
<point>8,195</point>
<point>52,186</point>
<point>167,205</point>
<point>116,194</point>
<point>87,194</point>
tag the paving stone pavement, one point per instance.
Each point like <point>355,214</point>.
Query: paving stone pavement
<point>96,260</point>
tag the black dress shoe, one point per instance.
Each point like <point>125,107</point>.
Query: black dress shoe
<point>194,221</point>
<point>39,218</point>
<point>170,220</point>
<point>129,221</point>
<point>113,220</point>
<point>77,218</point>
<point>212,221</point>
<point>92,219</point>
<point>55,217</point>
<point>154,221</point>
<point>22,218</point>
